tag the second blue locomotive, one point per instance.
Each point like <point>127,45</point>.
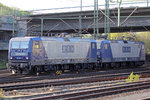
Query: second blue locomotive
<point>37,54</point>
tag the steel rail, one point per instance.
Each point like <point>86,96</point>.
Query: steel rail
<point>23,78</point>
<point>99,92</point>
<point>66,82</point>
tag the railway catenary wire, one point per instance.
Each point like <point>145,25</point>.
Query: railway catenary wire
<point>66,82</point>
<point>27,78</point>
<point>91,93</point>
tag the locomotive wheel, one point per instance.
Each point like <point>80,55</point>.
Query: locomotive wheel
<point>25,71</point>
<point>118,65</point>
<point>35,71</point>
<point>132,64</point>
<point>71,68</point>
<point>38,71</point>
<point>112,65</point>
<point>105,65</point>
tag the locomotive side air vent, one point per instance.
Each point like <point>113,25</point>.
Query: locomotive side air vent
<point>114,41</point>
<point>125,41</point>
<point>66,39</point>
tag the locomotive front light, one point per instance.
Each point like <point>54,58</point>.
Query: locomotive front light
<point>11,57</point>
<point>27,58</point>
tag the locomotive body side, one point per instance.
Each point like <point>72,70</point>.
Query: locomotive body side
<point>59,51</point>
<point>127,51</point>
<point>122,52</point>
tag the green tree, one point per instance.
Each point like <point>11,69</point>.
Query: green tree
<point>5,10</point>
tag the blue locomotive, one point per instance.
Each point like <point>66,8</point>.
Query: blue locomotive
<point>116,53</point>
<point>37,54</point>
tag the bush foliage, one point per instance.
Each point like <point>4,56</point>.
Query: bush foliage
<point>3,64</point>
<point>5,10</point>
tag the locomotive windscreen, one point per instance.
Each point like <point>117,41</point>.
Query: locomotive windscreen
<point>19,45</point>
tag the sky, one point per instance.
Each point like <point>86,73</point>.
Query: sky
<point>34,5</point>
<point>45,4</point>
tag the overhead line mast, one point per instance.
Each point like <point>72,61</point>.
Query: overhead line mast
<point>80,20</point>
<point>96,25</point>
<point>107,13</point>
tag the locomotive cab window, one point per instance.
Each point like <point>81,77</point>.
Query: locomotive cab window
<point>23,44</point>
<point>98,45</point>
<point>93,45</point>
<point>105,46</point>
<point>36,44</point>
<point>19,45</point>
<point>15,45</point>
<point>143,47</point>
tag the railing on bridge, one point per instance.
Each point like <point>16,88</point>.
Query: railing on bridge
<point>20,13</point>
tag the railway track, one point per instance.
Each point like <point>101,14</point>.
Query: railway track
<point>27,78</point>
<point>77,80</point>
<point>3,71</point>
<point>69,81</point>
<point>99,92</point>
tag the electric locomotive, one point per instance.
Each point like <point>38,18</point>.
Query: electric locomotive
<point>37,54</point>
